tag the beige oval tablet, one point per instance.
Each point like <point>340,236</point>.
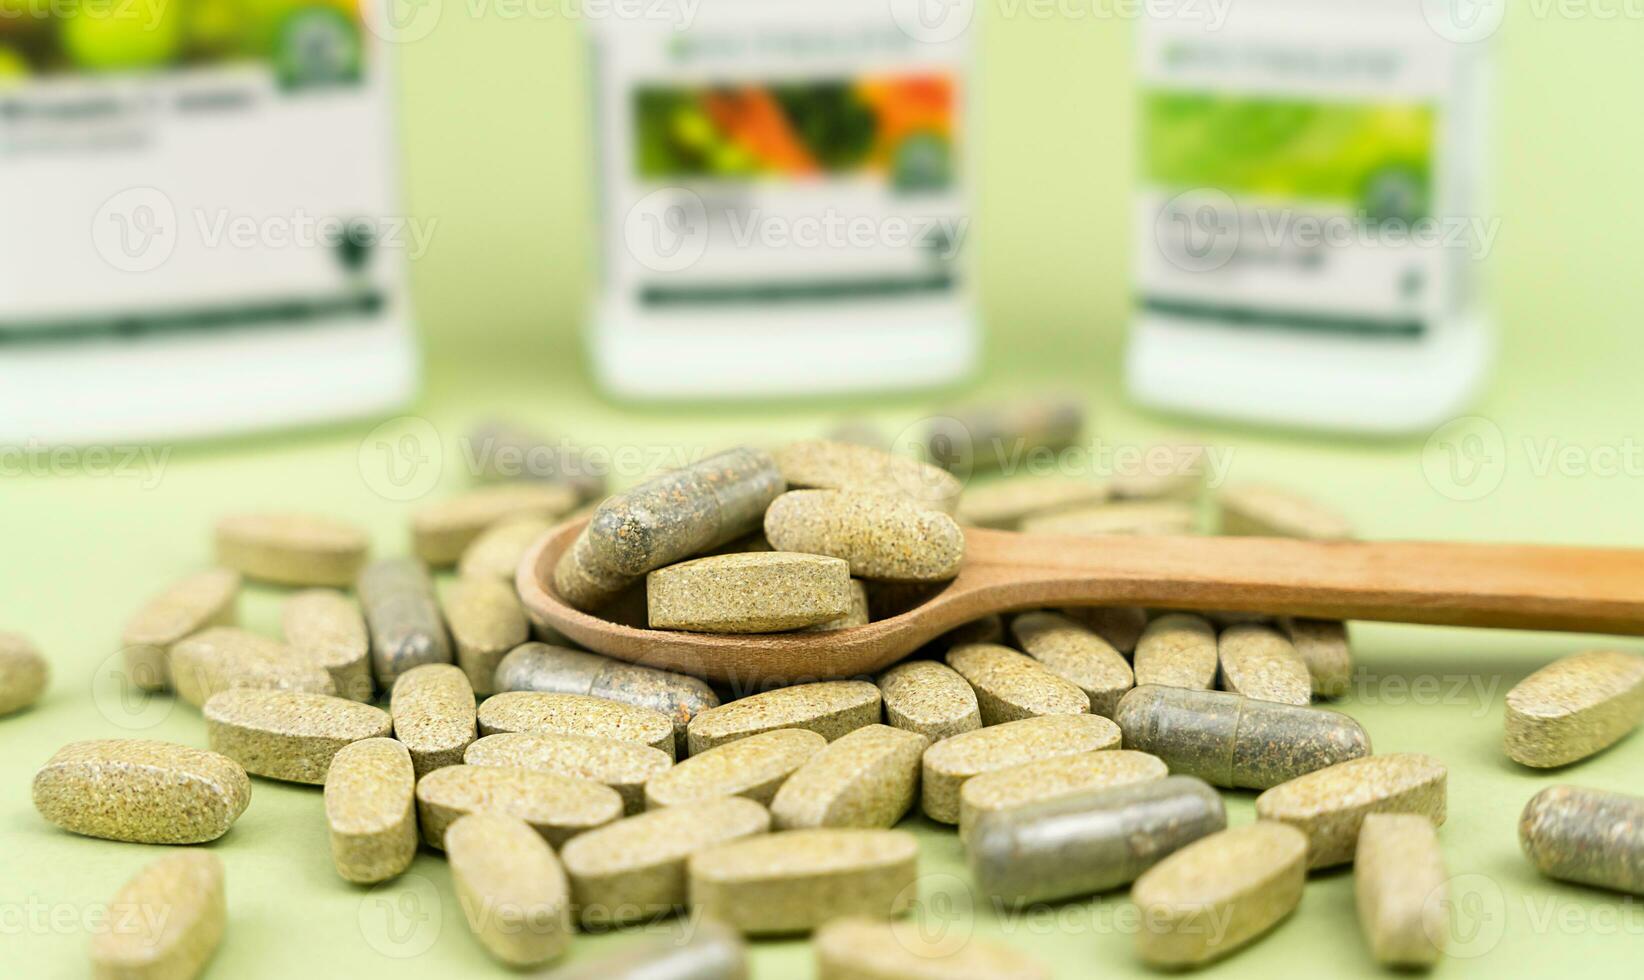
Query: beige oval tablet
<point>558,807</point>
<point>1121,626</point>
<point>634,869</point>
<point>1076,654</point>
<point>497,551</point>
<point>292,549</point>
<point>1142,517</point>
<point>141,791</point>
<point>1163,472</point>
<point>857,615</point>
<point>1053,778</point>
<point>225,658</point>
<point>575,714</point>
<point>873,949</point>
<point>1402,890</point>
<point>1177,650</point>
<point>867,778</point>
<point>1011,686</point>
<point>829,708</point>
<point>751,592</point>
<point>929,698</point>
<point>370,808</point>
<point>1329,804</point>
<point>327,628</point>
<point>442,530</point>
<point>829,465</point>
<point>882,537</point>
<point>1325,648</point>
<point>796,880</point>
<point>434,715</point>
<point>948,764</point>
<point>164,923</point>
<point>1259,510</point>
<point>188,606</point>
<point>1006,503</point>
<point>623,766</point>
<point>288,735</point>
<point>1219,893</point>
<point>754,767</point>
<point>1260,662</point>
<point>511,888</point>
<point>1574,707</point>
<point>486,621</point>
<point>23,673</point>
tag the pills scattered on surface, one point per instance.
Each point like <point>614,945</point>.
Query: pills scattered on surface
<point>166,922</point>
<point>823,465</point>
<point>404,618</point>
<point>1053,778</point>
<point>326,627</point>
<point>511,888</point>
<point>486,622</point>
<point>1329,805</point>
<point>1402,890</point>
<point>141,791</point>
<point>623,766</point>
<point>23,673</point>
<point>370,809</point>
<point>499,549</point>
<point>929,698</point>
<point>288,735</point>
<point>188,606</point>
<point>557,807</point>
<point>1574,708</point>
<point>1006,503</point>
<point>434,715</point>
<point>752,592</point>
<point>1177,650</point>
<point>949,763</point>
<point>1076,654</point>
<point>1258,510</point>
<point>575,714</point>
<point>441,531</point>
<point>1325,648</point>
<point>1587,836</point>
<point>291,549</point>
<point>226,658</point>
<point>866,778</point>
<point>1011,686</point>
<point>793,881</point>
<point>874,949</point>
<point>829,708</point>
<point>1261,663</point>
<point>754,767</point>
<point>880,536</point>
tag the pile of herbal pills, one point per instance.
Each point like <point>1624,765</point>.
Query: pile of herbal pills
<point>1073,751</point>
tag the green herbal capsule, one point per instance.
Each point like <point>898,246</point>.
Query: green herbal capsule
<point>404,616</point>
<point>1587,836</point>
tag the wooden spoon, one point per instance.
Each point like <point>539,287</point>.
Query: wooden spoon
<point>1583,590</point>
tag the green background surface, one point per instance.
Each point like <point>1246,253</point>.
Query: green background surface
<point>494,130</point>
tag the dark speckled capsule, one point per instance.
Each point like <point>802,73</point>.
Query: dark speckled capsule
<point>1091,841</point>
<point>556,670</point>
<point>712,952</point>
<point>1234,741</point>
<point>404,618</point>
<point>1587,836</point>
<point>673,517</point>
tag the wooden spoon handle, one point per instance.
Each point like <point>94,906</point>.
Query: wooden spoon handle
<point>1584,590</point>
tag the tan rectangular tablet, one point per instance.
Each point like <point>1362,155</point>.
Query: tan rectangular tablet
<point>1053,778</point>
<point>226,658</point>
<point>825,465</point>
<point>793,881</point>
<point>1177,650</point>
<point>511,888</point>
<point>442,530</point>
<point>751,592</point>
<point>486,622</point>
<point>866,778</point>
<point>829,708</point>
<point>754,767</point>
<point>623,766</point>
<point>187,606</point>
<point>288,735</point>
<point>558,807</point>
<point>1261,663</point>
<point>328,628</point>
<point>1330,804</point>
<point>371,810</point>
<point>1324,646</point>
<point>575,714</point>
<point>497,551</point>
<point>292,549</point>
<point>170,918</point>
<point>883,538</point>
<point>1011,686</point>
<point>929,698</point>
<point>434,715</point>
<point>1402,890</point>
<point>1263,511</point>
<point>874,949</point>
<point>1574,707</point>
<point>141,791</point>
<point>1077,654</point>
<point>949,763</point>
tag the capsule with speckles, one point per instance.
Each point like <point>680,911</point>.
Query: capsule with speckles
<point>1587,836</point>
<point>1235,741</point>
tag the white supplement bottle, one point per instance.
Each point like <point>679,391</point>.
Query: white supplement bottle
<point>785,203</point>
<point>1308,221</point>
<point>196,236</point>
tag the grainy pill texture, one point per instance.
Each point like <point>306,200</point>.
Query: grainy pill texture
<point>326,627</point>
<point>929,698</point>
<point>882,537</point>
<point>1587,836</point>
<point>1574,707</point>
<point>442,530</point>
<point>188,606</point>
<point>291,549</point>
<point>434,715</point>
<point>558,670</point>
<point>141,791</point>
<point>1258,510</point>
<point>512,889</point>
<point>1234,741</point>
<point>1162,473</point>
<point>404,617</point>
<point>1402,890</point>
<point>949,763</point>
<point>794,881</point>
<point>988,437</point>
<point>558,807</point>
<point>1076,654</point>
<point>822,465</point>
<point>1011,686</point>
<point>754,767</point>
<point>1091,841</point>
<point>1121,626</point>
<point>1177,650</point>
<point>575,714</point>
<point>1147,517</point>
<point>226,658</point>
<point>1053,778</point>
<point>499,549</point>
<point>23,673</point>
<point>856,615</point>
<point>709,951</point>
<point>1329,805</point>
<point>1325,648</point>
<point>868,778</point>
<point>371,810</point>
<point>1219,893</point>
<point>166,921</point>
<point>634,869</point>
<point>623,766</point>
<point>1005,504</point>
<point>582,581</point>
<point>752,592</point>
<point>486,622</point>
<point>288,735</point>
<point>1260,662</point>
<point>829,708</point>
<point>507,451</point>
<point>872,949</point>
